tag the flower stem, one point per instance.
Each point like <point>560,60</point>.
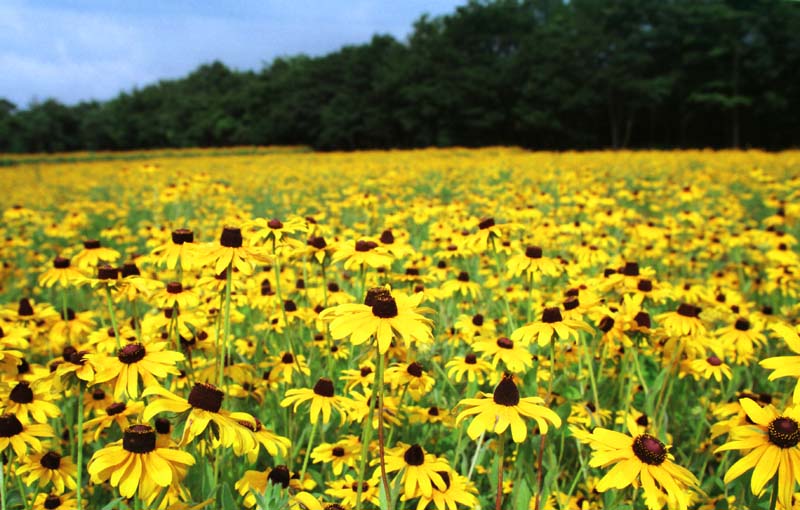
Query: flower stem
<point>3,485</point>
<point>498,502</point>
<point>366,437</point>
<point>308,449</point>
<point>226,326</point>
<point>475,457</point>
<point>384,479</point>
<point>79,461</point>
<point>773,500</point>
<point>113,318</point>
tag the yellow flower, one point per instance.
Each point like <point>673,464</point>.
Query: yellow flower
<point>420,469</point>
<point>505,408</point>
<point>44,468</point>
<point>771,444</point>
<point>786,366</point>
<point>641,456</point>
<point>457,490</point>
<point>551,324</point>
<point>516,357</point>
<point>20,435</point>
<point>203,408</point>
<point>231,252</point>
<point>134,361</point>
<point>136,464</point>
<point>475,369</point>
<point>383,316</point>
<point>322,400</point>
<point>63,274</point>
<point>26,403</point>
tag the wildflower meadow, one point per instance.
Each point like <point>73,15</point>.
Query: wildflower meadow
<point>429,329</point>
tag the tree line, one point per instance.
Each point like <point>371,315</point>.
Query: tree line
<point>542,74</point>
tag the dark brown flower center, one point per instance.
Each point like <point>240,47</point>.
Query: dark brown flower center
<point>506,393</point>
<point>415,369</point>
<point>279,476</point>
<point>742,324</point>
<point>363,246</point>
<point>485,223</point>
<point>132,353</point>
<point>374,293</point>
<point>412,271</point>
<point>642,319</point>
<point>139,439</point>
<point>289,306</point>
<point>687,310</point>
<point>61,263</point>
<point>51,502</point>
<point>287,358</point>
<point>649,450</point>
<point>182,235</point>
<point>107,272</point>
<point>433,411</point>
<point>365,371</point>
<point>505,343</point>
<point>25,309</point>
<point>130,269</point>
<point>324,387</point>
<point>385,306</point>
<point>50,460</point>
<point>784,432</point>
<point>477,320</point>
<point>605,324</point>
<point>571,303</point>
<point>644,285</point>
<point>714,361</point>
<point>631,269</point>
<point>551,315</point>
<point>387,237</point>
<point>317,242</point>
<point>533,252</point>
<point>414,456</point>
<point>91,244</point>
<point>463,276</point>
<point>445,478</point>
<point>98,394</point>
<point>470,359</point>
<point>21,393</point>
<point>10,426</point>
<point>115,408</point>
<point>337,451</point>
<point>206,397</point>
<point>231,237</point>
<point>275,224</point>
<point>163,426</point>
<point>174,288</point>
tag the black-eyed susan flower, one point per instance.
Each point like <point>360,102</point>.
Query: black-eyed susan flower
<point>383,316</point>
<point>362,253</point>
<point>49,467</point>
<point>20,435</point>
<point>231,252</point>
<point>711,366</point>
<point>136,465</point>
<point>515,356</point>
<point>180,251</point>
<point>363,376</point>
<point>283,367</point>
<point>346,490</point>
<point>458,490</point>
<point>27,402</point>
<point>134,361</point>
<point>533,264</point>
<point>412,376</point>
<point>504,408</point>
<point>551,326</point>
<point>60,501</point>
<point>462,286</point>
<point>770,441</point>
<point>474,368</point>
<point>273,443</point>
<point>322,397</point>
<point>63,274</point>
<point>420,469</point>
<point>341,454</point>
<point>120,413</point>
<point>740,340</point>
<point>203,409</point>
<point>93,254</point>
<point>275,229</point>
<point>685,321</point>
<point>176,295</point>
<point>785,366</point>
<point>638,458</point>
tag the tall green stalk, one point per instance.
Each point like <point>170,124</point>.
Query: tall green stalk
<point>79,461</point>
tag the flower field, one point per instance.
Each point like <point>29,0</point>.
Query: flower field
<point>441,329</point>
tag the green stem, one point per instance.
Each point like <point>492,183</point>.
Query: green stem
<point>366,437</point>
<point>113,318</point>
<point>590,367</point>
<point>384,479</point>
<point>226,326</point>
<point>475,457</point>
<point>79,462</point>
<point>308,449</point>
<point>498,502</point>
<point>3,485</point>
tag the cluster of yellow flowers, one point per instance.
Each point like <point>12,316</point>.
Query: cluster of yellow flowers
<point>327,331</point>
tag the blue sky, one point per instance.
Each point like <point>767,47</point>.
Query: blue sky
<point>82,49</point>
